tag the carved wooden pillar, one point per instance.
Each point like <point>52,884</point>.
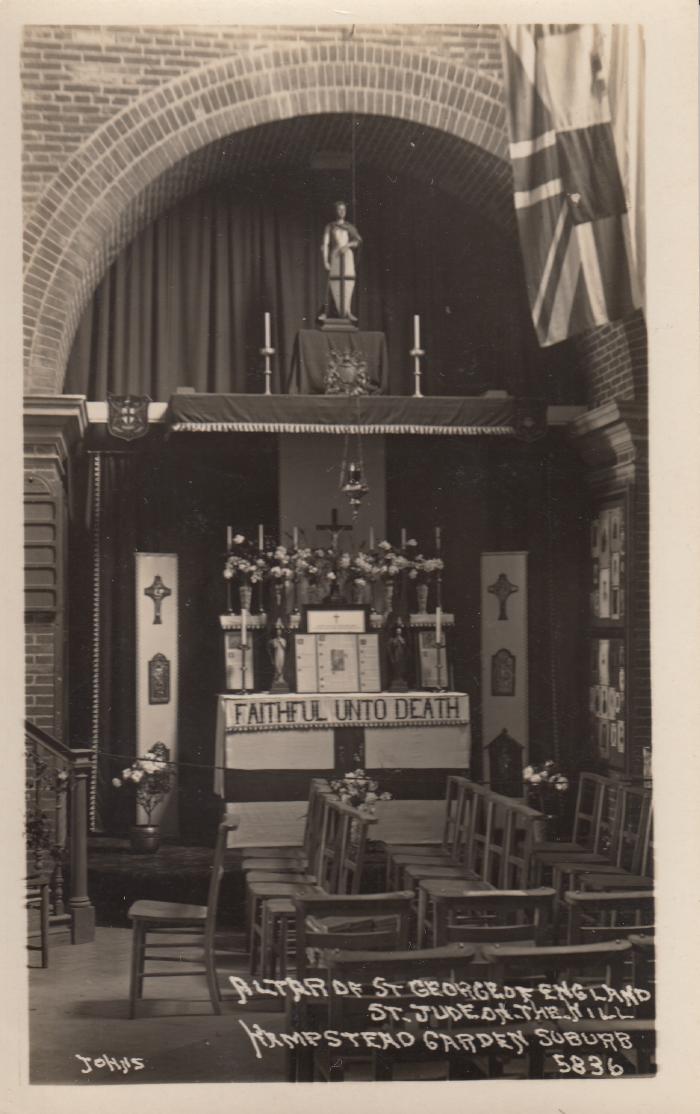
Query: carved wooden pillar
<point>79,904</point>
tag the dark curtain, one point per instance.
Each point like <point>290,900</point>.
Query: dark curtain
<point>183,304</point>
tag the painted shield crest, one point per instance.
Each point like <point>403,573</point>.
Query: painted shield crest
<point>127,416</point>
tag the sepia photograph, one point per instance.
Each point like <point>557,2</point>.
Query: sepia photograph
<point>338,605</point>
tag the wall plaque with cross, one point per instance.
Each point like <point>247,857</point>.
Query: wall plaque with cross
<point>334,526</point>
<point>157,591</point>
<point>502,589</point>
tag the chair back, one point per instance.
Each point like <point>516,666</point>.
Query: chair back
<point>596,916</point>
<point>217,873</point>
<point>633,827</point>
<point>520,829</point>
<point>494,917</point>
<point>313,828</point>
<point>343,846</point>
<point>479,838</point>
<point>588,810</point>
<point>584,963</point>
<point>357,922</point>
<point>457,798</point>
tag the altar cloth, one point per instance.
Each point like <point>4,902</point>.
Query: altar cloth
<point>409,742</point>
<point>376,414</point>
<point>313,349</point>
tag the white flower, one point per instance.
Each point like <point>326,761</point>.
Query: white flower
<point>228,573</point>
<point>126,774</point>
<point>370,798</point>
<point>563,783</point>
<point>527,773</point>
<point>535,779</point>
<point>330,576</point>
<point>543,775</point>
<point>411,541</point>
<point>384,545</point>
<point>116,782</point>
<point>549,762</point>
<point>148,767</point>
<point>385,797</point>
<point>413,574</point>
<point>137,775</point>
<point>238,539</point>
<point>360,582</point>
<point>344,561</point>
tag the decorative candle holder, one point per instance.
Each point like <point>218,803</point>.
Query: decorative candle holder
<point>267,353</point>
<point>417,353</point>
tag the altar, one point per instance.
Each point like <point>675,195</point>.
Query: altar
<point>269,746</point>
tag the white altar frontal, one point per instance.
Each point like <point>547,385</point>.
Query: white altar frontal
<point>269,746</point>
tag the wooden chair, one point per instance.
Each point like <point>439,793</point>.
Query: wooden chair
<point>490,916</point>
<point>162,919</point>
<point>339,866</point>
<point>459,793</point>
<point>602,916</point>
<point>357,922</point>
<point>350,1013</point>
<point>293,859</point>
<point>590,965</point>
<point>588,812</point>
<point>630,849</point>
<point>37,897</point>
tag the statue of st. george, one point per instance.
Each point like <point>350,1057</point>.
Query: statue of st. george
<point>340,240</point>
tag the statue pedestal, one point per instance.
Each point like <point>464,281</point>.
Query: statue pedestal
<point>337,324</point>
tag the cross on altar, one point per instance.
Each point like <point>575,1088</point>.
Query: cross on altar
<point>334,526</point>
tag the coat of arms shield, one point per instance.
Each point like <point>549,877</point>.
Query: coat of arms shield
<point>127,416</point>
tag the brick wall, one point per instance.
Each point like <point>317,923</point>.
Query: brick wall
<point>615,357</point>
<point>40,661</point>
<point>76,78</point>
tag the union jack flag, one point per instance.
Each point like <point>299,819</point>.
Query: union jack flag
<point>570,202</point>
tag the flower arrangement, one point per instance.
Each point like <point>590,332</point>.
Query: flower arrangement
<point>423,568</point>
<point>545,787</point>
<point>358,790</point>
<point>244,561</point>
<point>152,774</point>
<point>544,777</point>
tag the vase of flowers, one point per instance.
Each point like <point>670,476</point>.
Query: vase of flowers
<point>152,775</point>
<point>422,571</point>
<point>246,565</point>
<point>546,788</point>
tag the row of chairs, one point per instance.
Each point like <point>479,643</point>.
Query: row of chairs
<point>331,861</point>
<point>355,938</point>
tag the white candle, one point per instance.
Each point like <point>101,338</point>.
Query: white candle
<point>403,537</point>
<point>267,331</point>
<point>295,533</point>
<point>438,626</point>
<point>229,537</point>
<point>261,543</point>
<point>416,331</point>
<point>371,537</point>
<point>244,627</point>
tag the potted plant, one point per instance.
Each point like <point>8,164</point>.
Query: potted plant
<point>152,776</point>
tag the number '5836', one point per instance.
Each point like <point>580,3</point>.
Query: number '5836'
<point>587,1065</point>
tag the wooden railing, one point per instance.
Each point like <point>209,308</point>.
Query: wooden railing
<point>56,801</point>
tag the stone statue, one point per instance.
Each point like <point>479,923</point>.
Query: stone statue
<point>277,649</point>
<point>340,240</point>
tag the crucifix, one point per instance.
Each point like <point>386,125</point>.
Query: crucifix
<point>158,592</point>
<point>502,589</point>
<point>334,526</point>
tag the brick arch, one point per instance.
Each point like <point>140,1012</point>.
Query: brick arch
<point>95,203</point>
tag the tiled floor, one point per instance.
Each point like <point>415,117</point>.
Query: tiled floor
<point>78,1007</point>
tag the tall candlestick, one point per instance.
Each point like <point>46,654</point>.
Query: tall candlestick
<point>261,542</point>
<point>403,537</point>
<point>416,331</point>
<point>267,331</point>
<point>438,627</point>
<point>295,536</point>
<point>229,538</point>
<point>371,537</point>
<point>244,627</point>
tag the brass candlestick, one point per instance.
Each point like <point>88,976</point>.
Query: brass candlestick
<point>267,353</point>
